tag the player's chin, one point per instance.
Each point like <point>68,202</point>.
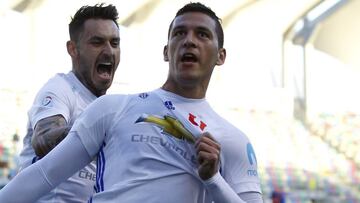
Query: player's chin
<point>102,86</point>
<point>189,77</point>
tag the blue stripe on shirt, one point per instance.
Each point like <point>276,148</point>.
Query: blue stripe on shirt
<point>100,170</point>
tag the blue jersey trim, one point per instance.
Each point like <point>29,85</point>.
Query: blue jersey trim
<point>100,170</point>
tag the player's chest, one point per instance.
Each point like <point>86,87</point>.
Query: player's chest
<point>159,135</point>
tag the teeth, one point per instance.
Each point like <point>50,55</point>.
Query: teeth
<point>189,57</point>
<point>105,63</point>
<point>104,68</point>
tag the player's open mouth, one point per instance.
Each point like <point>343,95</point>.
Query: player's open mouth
<point>104,70</point>
<point>189,57</point>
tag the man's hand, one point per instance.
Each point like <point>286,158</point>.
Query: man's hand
<point>208,156</point>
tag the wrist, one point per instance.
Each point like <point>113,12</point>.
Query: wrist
<point>215,179</point>
<point>220,191</point>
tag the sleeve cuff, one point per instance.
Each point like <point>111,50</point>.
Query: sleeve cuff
<point>216,179</point>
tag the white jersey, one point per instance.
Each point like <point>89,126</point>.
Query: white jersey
<point>62,95</point>
<point>141,159</point>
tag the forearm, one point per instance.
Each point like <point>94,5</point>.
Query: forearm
<point>221,191</point>
<point>38,179</point>
<point>48,140</point>
<point>34,175</point>
<point>48,133</point>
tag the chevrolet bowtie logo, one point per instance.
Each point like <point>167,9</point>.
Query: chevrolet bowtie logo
<point>169,125</point>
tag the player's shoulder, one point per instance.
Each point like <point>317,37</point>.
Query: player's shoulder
<point>58,78</point>
<point>110,99</point>
<point>56,83</point>
<point>117,103</point>
<point>230,130</point>
<point>116,99</point>
<point>144,96</point>
<point>141,97</point>
<point>56,86</point>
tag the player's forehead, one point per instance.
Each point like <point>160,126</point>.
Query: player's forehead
<point>191,20</point>
<point>100,27</point>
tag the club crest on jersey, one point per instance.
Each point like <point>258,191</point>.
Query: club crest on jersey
<point>169,125</point>
<point>46,101</point>
<point>143,95</point>
<point>169,105</point>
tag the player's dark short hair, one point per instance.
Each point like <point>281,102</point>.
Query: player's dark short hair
<point>98,11</point>
<point>199,7</point>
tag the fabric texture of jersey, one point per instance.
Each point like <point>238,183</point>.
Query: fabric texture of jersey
<point>142,158</point>
<point>62,95</point>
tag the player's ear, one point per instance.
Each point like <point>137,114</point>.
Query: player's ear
<point>71,48</point>
<point>165,53</point>
<point>221,57</point>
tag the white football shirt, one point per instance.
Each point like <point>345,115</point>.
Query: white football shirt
<point>141,158</point>
<point>62,95</point>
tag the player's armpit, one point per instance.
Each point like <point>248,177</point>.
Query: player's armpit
<point>48,133</point>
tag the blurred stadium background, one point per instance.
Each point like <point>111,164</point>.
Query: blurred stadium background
<point>289,81</point>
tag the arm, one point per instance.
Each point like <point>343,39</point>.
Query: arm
<point>48,133</point>
<point>221,191</point>
<point>208,155</point>
<point>42,176</point>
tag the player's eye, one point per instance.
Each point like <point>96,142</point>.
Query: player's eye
<point>203,34</point>
<point>179,33</point>
<point>115,42</point>
<point>96,41</point>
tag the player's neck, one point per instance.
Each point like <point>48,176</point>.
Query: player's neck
<point>191,92</point>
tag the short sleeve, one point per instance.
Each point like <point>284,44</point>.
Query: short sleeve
<point>239,163</point>
<point>54,98</point>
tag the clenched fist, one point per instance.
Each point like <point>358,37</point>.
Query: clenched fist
<point>208,155</point>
